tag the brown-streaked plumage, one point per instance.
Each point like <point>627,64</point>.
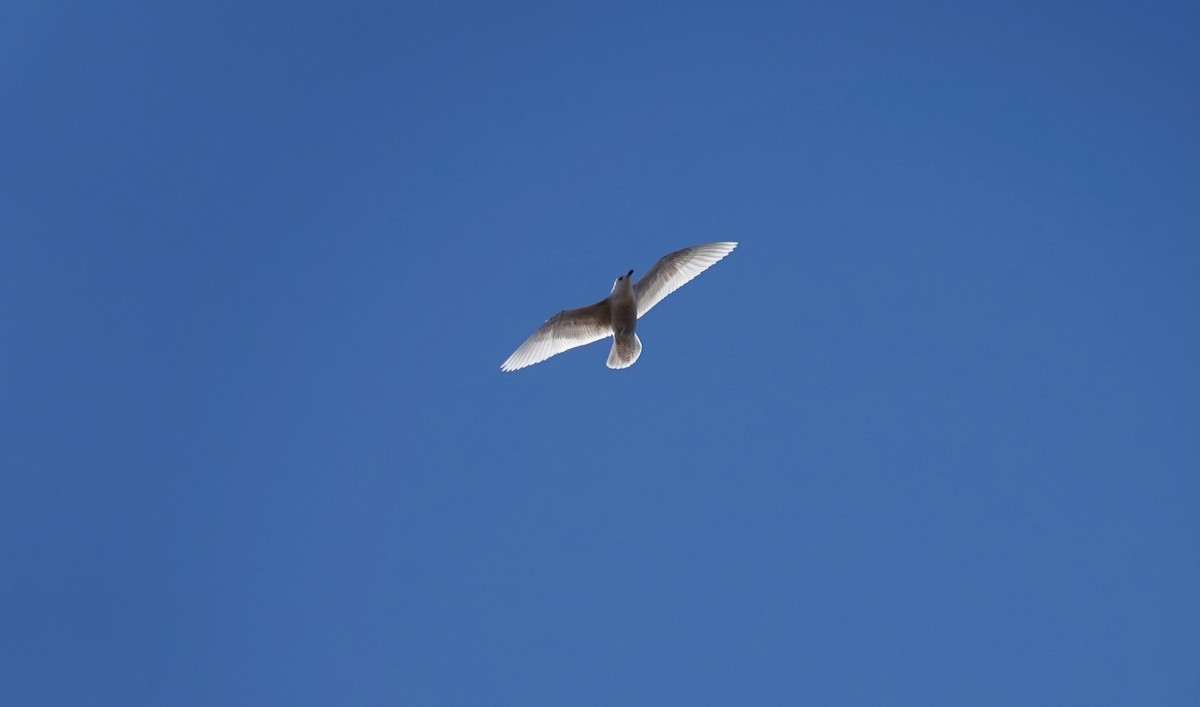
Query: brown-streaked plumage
<point>617,314</point>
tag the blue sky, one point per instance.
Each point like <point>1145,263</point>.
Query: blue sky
<point>928,436</point>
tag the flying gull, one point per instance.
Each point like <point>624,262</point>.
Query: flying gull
<point>617,314</point>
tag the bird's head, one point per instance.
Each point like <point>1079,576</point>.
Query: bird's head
<point>623,282</point>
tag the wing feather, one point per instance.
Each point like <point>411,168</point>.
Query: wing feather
<point>675,270</point>
<point>564,331</point>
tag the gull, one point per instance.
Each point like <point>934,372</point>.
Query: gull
<point>617,314</point>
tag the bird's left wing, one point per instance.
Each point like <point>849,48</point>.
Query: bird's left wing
<point>675,270</point>
<point>565,330</point>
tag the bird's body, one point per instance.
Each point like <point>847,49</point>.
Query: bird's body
<point>622,304</point>
<point>617,314</point>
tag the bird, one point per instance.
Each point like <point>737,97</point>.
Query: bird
<point>617,314</point>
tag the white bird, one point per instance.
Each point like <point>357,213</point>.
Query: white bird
<point>617,314</point>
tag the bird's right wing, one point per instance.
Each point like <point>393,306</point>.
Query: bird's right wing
<point>565,330</point>
<point>674,270</point>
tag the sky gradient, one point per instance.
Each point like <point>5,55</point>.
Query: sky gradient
<point>930,435</point>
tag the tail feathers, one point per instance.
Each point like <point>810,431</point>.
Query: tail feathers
<point>625,351</point>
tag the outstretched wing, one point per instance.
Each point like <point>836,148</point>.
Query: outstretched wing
<point>675,270</point>
<point>565,330</point>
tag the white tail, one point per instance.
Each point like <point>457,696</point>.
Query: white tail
<point>624,351</point>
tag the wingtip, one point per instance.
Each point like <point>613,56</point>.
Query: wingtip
<point>722,247</point>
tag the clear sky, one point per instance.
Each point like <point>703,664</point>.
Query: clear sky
<point>929,436</point>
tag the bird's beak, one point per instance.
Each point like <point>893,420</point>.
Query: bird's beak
<point>630,273</point>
